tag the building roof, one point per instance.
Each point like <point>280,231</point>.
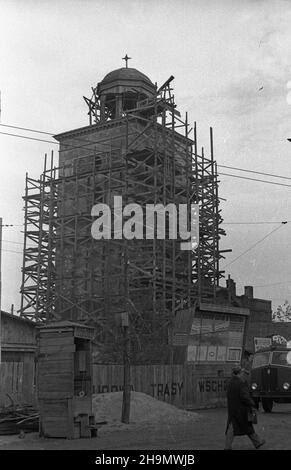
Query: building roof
<point>62,324</point>
<point>18,318</point>
<point>125,74</point>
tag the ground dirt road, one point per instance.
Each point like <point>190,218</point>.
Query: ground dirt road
<point>207,433</point>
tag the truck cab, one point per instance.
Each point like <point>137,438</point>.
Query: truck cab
<point>270,379</point>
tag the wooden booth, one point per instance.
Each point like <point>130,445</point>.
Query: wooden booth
<point>64,380</point>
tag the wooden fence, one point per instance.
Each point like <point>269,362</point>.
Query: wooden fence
<point>17,379</point>
<point>179,385</point>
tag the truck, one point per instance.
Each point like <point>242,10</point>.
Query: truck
<point>270,378</point>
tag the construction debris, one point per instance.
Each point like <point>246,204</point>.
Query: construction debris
<point>18,419</point>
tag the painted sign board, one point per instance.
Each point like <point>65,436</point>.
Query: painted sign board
<point>279,339</point>
<point>210,353</point>
<point>261,343</point>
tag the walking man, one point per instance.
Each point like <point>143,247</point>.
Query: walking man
<point>239,403</point>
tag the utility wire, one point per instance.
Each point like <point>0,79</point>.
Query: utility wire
<point>255,179</point>
<point>223,223</point>
<point>30,138</point>
<point>69,146</point>
<point>255,223</point>
<point>11,225</point>
<point>90,142</point>
<point>84,146</point>
<point>256,172</point>
<point>253,246</point>
<point>12,241</point>
<point>249,249</point>
<point>16,243</point>
<point>219,165</point>
<point>12,251</point>
<point>78,147</point>
<point>85,141</point>
<point>27,129</point>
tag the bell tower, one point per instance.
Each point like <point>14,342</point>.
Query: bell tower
<point>120,90</point>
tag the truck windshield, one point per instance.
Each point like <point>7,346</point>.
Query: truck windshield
<point>281,358</point>
<point>261,359</point>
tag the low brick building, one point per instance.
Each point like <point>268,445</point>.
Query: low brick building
<point>260,322</point>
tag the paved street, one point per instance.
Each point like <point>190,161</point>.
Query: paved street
<point>206,433</point>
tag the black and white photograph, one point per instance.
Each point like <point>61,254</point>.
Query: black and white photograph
<point>145,229</point>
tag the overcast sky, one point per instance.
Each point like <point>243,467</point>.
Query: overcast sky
<point>232,63</point>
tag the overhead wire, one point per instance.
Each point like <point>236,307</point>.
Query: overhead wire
<point>29,138</point>
<point>103,142</point>
<point>80,146</point>
<point>15,243</point>
<point>257,243</point>
<point>220,173</point>
<point>12,251</point>
<point>256,172</point>
<point>12,241</point>
<point>254,179</point>
<point>91,143</point>
<point>256,223</point>
<point>28,129</point>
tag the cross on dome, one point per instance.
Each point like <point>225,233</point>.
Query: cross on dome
<point>126,58</point>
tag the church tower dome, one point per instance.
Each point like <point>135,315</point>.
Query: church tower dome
<point>122,90</point>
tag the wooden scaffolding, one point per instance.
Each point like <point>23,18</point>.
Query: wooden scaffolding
<point>69,275</point>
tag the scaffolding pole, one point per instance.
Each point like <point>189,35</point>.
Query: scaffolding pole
<point>68,275</point>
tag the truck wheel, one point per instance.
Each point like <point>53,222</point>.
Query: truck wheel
<point>267,404</point>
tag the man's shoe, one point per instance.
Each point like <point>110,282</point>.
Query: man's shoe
<point>261,444</point>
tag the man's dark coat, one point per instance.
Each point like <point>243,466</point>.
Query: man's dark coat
<point>239,402</point>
